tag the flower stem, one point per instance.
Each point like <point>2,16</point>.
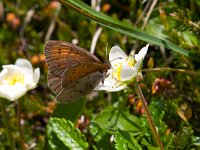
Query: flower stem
<point>7,125</point>
<point>148,115</point>
<point>19,125</point>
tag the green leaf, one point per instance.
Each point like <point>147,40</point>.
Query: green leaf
<point>156,28</point>
<point>132,142</point>
<point>123,28</point>
<point>195,142</point>
<point>158,115</point>
<point>61,133</point>
<point>101,137</point>
<point>184,139</point>
<point>150,147</point>
<point>70,111</point>
<point>113,120</point>
<point>120,143</point>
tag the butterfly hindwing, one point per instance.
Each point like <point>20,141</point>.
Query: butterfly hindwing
<point>54,82</point>
<point>78,71</point>
<point>80,87</point>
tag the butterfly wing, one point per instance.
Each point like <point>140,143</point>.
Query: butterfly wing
<point>60,56</point>
<point>80,87</point>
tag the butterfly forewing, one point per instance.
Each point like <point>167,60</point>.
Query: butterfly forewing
<point>65,54</point>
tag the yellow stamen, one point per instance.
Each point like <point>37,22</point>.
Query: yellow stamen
<point>117,71</point>
<point>131,61</point>
<point>117,67</point>
<point>15,78</point>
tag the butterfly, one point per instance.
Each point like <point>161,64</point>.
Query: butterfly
<point>73,71</point>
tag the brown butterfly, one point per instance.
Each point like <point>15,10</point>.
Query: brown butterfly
<point>73,71</point>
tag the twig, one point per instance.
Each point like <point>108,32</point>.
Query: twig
<point>27,20</point>
<point>95,38</point>
<point>53,23</point>
<point>149,13</point>
<point>1,11</point>
<point>143,12</point>
<point>172,69</point>
<point>95,4</point>
<point>148,115</point>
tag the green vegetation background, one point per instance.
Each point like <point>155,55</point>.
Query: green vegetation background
<point>106,120</point>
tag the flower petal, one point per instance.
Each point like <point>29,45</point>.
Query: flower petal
<point>142,53</point>
<point>110,89</point>
<point>2,75</point>
<point>127,72</point>
<point>36,75</point>
<point>110,84</point>
<point>34,80</point>
<point>25,65</point>
<point>12,92</point>
<point>116,53</point>
<point>11,69</point>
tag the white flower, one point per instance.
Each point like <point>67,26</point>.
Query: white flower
<point>16,80</point>
<point>123,70</point>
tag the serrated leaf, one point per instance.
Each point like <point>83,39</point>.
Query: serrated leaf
<point>149,146</point>
<point>130,140</point>
<point>113,120</point>
<point>183,138</point>
<point>62,131</point>
<point>101,137</point>
<point>158,115</point>
<point>96,131</point>
<point>120,143</point>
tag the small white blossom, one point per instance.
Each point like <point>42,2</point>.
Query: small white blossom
<point>123,70</point>
<point>16,80</point>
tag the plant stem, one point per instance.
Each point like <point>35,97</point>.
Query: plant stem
<point>7,125</point>
<point>148,115</point>
<point>19,125</point>
<point>173,69</point>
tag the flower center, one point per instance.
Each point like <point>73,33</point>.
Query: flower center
<point>15,78</point>
<point>130,61</point>
<point>118,67</point>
